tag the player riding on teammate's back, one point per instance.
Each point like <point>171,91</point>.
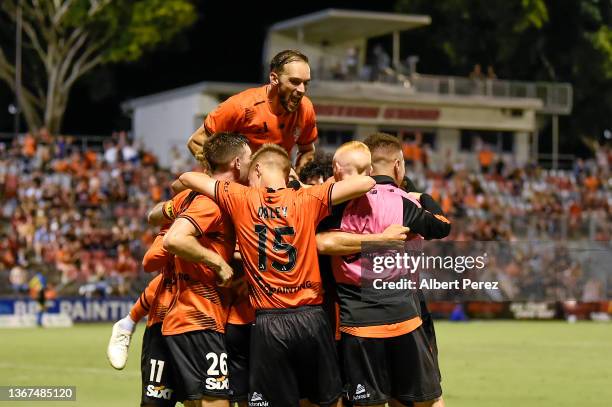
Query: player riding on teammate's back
<point>277,113</point>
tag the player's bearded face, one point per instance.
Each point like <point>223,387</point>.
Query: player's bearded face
<point>292,84</point>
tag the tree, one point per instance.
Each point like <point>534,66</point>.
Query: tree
<point>534,40</point>
<point>66,39</point>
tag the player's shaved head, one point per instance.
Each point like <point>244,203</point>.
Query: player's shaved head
<point>271,156</point>
<point>387,156</point>
<point>352,158</point>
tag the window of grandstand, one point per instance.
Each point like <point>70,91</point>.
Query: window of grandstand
<point>474,140</point>
<point>422,137</point>
<point>330,138</point>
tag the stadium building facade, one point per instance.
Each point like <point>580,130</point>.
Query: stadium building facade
<point>356,92</point>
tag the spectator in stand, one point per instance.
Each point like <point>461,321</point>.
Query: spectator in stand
<point>491,72</point>
<point>486,157</point>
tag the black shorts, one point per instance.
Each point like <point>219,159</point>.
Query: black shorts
<point>158,386</point>
<point>237,340</point>
<point>378,369</point>
<point>200,361</point>
<point>293,357</point>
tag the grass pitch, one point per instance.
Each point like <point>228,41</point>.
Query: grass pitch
<point>483,364</point>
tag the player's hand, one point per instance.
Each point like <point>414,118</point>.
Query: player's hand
<point>224,274</point>
<point>240,287</point>
<point>396,232</point>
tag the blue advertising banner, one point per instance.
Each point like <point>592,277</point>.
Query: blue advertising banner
<point>78,309</point>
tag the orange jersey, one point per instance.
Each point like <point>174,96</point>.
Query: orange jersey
<point>276,234</point>
<point>178,204</point>
<point>200,303</point>
<point>249,113</point>
<point>160,292</point>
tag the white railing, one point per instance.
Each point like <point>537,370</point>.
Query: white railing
<point>556,97</point>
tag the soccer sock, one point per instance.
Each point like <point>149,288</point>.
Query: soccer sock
<point>138,310</point>
<point>127,323</point>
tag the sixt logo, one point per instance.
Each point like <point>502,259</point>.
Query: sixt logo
<point>159,392</point>
<point>217,383</point>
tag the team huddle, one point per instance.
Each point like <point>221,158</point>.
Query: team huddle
<point>258,298</point>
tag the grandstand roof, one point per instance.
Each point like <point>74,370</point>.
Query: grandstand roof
<point>197,88</point>
<point>338,26</point>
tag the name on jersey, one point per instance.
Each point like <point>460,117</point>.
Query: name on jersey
<point>272,212</point>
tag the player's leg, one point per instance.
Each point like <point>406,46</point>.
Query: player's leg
<point>121,336</point>
<point>412,351</point>
<point>158,388</point>
<point>237,339</point>
<point>364,365</point>
<point>272,376</point>
<point>200,360</point>
<point>317,360</point>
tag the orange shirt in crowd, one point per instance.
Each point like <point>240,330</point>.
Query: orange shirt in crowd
<point>591,182</point>
<point>29,145</point>
<point>272,227</point>
<point>485,157</point>
<point>249,113</point>
<point>412,151</point>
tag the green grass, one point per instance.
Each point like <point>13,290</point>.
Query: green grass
<point>483,364</point>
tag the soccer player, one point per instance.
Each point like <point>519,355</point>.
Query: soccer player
<point>203,240</point>
<point>292,349</point>
<point>159,386</point>
<point>277,113</point>
<point>162,214</point>
<point>380,342</point>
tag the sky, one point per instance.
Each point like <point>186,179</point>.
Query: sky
<point>225,44</point>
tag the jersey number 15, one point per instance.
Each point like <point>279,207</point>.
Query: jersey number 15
<point>278,246</point>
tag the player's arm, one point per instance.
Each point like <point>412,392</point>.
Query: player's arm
<point>423,222</point>
<point>305,154</point>
<point>335,243</point>
<point>177,186</point>
<point>351,188</point>
<point>429,204</point>
<point>156,257</point>
<point>181,240</point>
<point>199,182</point>
<point>196,141</point>
<point>156,216</point>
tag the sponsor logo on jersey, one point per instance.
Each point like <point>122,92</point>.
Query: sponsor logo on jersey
<point>257,400</point>
<point>217,383</point>
<point>159,392</point>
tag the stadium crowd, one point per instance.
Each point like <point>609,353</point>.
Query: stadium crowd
<point>76,214</point>
<point>79,215</point>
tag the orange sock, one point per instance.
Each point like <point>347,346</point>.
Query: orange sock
<point>140,308</point>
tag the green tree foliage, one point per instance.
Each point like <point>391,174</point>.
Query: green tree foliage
<point>65,39</point>
<point>534,40</point>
